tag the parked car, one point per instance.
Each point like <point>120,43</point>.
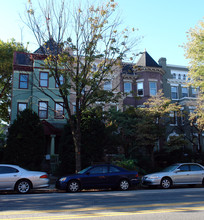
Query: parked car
<point>176,174</point>
<point>13,177</point>
<point>99,177</point>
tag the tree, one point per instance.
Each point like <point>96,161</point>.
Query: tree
<point>86,58</point>
<point>194,51</point>
<point>97,141</point>
<point>25,143</point>
<point>6,68</point>
<point>158,108</point>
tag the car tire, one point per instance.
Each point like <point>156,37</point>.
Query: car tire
<point>73,186</point>
<point>23,186</point>
<point>124,185</point>
<point>166,183</point>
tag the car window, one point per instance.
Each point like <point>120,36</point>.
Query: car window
<point>184,168</point>
<point>5,169</point>
<point>99,169</point>
<point>113,169</point>
<point>195,168</point>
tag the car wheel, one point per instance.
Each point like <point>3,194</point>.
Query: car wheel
<point>73,186</point>
<point>124,185</point>
<point>166,183</point>
<point>23,186</point>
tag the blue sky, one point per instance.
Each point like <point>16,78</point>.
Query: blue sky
<point>163,23</point>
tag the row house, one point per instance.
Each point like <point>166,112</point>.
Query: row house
<point>142,80</point>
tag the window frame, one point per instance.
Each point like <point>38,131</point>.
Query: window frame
<point>107,85</point>
<point>39,110</point>
<point>61,80</point>
<point>182,93</point>
<point>129,89</point>
<point>44,80</point>
<point>154,89</point>
<point>61,104</point>
<point>174,93</point>
<point>141,83</point>
<point>21,103</point>
<point>23,81</point>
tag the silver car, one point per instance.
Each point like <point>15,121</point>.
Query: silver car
<point>13,177</point>
<point>176,174</point>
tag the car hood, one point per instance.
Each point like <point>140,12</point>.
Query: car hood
<point>158,174</point>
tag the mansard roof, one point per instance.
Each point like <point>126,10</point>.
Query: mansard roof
<point>147,61</point>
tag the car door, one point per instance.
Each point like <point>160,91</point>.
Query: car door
<point>8,177</point>
<point>96,177</point>
<point>183,175</point>
<point>196,173</point>
<point>114,176</point>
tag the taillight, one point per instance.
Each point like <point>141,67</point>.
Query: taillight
<point>44,176</point>
<point>136,175</point>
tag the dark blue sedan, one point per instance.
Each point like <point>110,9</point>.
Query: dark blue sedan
<point>99,177</point>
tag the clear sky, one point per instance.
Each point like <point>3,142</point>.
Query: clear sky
<point>163,23</point>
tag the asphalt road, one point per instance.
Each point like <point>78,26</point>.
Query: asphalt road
<point>178,203</point>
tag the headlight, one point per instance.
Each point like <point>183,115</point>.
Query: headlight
<point>153,177</point>
<point>62,179</point>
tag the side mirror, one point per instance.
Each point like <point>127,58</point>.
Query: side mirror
<point>177,170</point>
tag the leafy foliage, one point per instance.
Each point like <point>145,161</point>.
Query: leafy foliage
<point>25,143</point>
<point>6,67</point>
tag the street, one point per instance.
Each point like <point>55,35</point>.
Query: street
<point>177,203</point>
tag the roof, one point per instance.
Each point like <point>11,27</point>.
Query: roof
<point>49,47</point>
<point>147,61</point>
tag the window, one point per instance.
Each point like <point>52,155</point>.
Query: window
<point>23,81</point>
<point>127,87</point>
<point>99,169</point>
<point>184,168</point>
<point>21,106</point>
<point>43,79</point>
<point>194,92</point>
<point>174,75</point>
<point>152,88</point>
<point>174,92</point>
<point>43,110</point>
<point>5,169</point>
<point>61,81</point>
<point>184,77</point>
<point>173,118</point>
<point>140,91</point>
<point>59,110</point>
<point>195,167</point>
<point>179,76</point>
<point>107,85</point>
<point>114,169</point>
<point>184,91</point>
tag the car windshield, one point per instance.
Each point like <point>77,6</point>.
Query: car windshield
<point>170,168</point>
<point>84,170</point>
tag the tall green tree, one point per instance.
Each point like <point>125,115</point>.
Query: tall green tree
<point>194,51</point>
<point>25,143</point>
<point>6,68</point>
<point>89,45</point>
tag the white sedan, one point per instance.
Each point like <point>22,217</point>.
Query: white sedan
<point>177,174</point>
<point>13,177</point>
